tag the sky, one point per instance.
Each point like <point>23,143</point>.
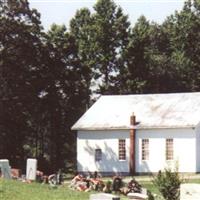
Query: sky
<point>61,11</point>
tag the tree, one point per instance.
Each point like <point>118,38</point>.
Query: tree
<point>101,38</point>
<point>111,29</point>
<point>81,31</point>
<point>162,76</point>
<point>149,60</point>
<point>184,41</point>
<point>66,93</point>
<point>43,88</point>
<point>168,183</point>
<point>136,59</point>
<point>19,65</point>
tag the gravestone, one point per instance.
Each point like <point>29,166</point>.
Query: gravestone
<point>5,168</point>
<point>190,191</point>
<point>103,196</point>
<point>137,196</point>
<point>31,168</point>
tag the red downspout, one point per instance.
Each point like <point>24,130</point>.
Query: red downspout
<point>132,144</point>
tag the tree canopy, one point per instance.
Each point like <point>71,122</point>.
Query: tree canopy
<point>49,79</point>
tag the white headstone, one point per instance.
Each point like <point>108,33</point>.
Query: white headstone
<point>31,168</point>
<point>190,191</point>
<point>137,196</point>
<point>103,196</point>
<point>5,168</point>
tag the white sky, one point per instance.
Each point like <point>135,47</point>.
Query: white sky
<point>61,11</point>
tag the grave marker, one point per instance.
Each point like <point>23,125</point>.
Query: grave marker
<point>137,196</point>
<point>31,168</point>
<point>5,168</point>
<point>190,191</point>
<point>103,196</point>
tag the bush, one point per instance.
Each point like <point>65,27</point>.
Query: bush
<point>168,184</point>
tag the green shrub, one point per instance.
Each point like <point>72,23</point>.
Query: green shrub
<point>168,183</point>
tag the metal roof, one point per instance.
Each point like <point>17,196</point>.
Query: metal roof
<point>151,111</point>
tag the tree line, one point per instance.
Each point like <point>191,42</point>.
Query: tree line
<point>49,79</point>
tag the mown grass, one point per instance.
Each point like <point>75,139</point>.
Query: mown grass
<point>150,186</point>
<point>16,190</point>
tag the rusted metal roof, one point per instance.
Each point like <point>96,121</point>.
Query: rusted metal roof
<point>174,110</point>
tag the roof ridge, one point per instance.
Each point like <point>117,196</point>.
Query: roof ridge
<point>150,94</point>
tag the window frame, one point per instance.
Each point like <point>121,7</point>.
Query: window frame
<point>98,155</point>
<point>169,149</point>
<point>122,149</point>
<point>145,149</point>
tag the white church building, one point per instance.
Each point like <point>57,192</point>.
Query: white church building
<point>132,134</point>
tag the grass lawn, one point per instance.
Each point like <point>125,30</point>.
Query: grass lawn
<point>16,190</point>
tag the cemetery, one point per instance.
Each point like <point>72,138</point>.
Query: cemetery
<point>102,104</point>
<point>17,186</point>
<point>99,187</point>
